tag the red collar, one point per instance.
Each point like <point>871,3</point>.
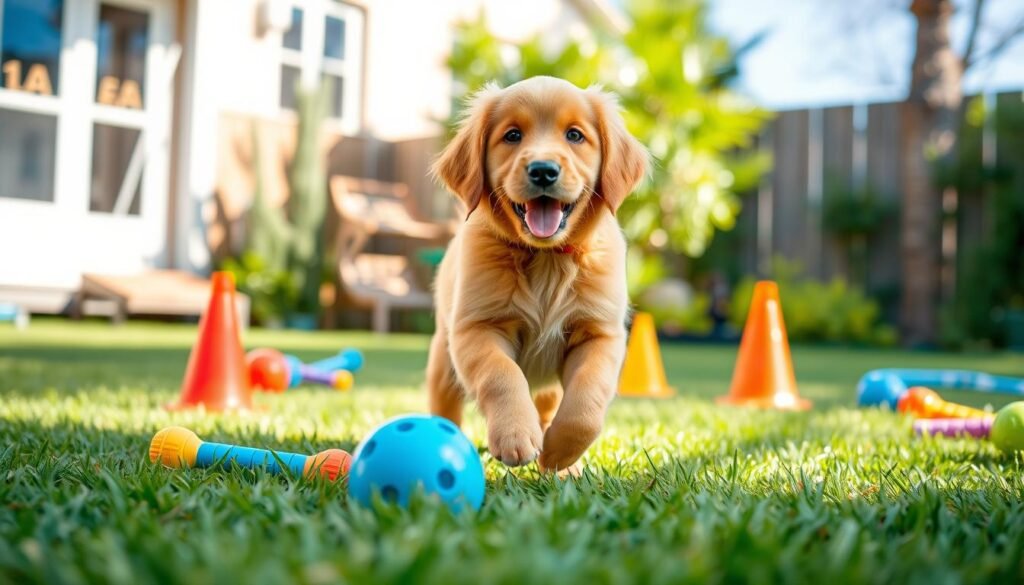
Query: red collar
<point>566,249</point>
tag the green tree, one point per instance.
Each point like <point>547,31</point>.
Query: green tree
<point>671,74</point>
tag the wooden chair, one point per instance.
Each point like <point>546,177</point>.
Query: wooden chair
<point>381,282</point>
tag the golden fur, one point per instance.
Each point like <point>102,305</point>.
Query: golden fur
<point>517,312</point>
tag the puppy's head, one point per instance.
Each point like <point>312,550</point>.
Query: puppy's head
<point>542,157</point>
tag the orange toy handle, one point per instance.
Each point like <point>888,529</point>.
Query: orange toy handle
<point>954,410</point>
<point>922,402</point>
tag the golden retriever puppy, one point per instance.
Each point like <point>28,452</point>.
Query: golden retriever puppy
<point>531,295</point>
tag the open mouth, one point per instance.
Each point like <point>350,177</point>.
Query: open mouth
<point>543,216</point>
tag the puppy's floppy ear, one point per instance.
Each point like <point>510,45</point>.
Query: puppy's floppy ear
<point>462,164</point>
<point>624,161</point>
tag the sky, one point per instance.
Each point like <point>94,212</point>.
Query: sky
<point>824,52</point>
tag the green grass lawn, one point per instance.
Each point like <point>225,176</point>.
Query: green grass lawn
<point>679,491</point>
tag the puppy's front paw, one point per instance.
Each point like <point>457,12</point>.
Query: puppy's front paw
<point>515,443</point>
<point>574,470</point>
<point>566,440</point>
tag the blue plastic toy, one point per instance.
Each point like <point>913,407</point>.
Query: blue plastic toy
<point>417,450</point>
<point>346,359</point>
<point>886,386</point>
<point>350,360</point>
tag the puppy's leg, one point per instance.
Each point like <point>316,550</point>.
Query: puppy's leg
<point>589,377</point>
<point>547,400</point>
<point>446,397</point>
<point>484,362</point>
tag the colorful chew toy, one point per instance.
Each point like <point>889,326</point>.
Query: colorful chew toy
<point>346,359</point>
<point>922,402</point>
<point>1006,430</point>
<point>417,452</point>
<point>178,447</point>
<point>886,386</point>
<point>272,370</point>
<point>953,427</point>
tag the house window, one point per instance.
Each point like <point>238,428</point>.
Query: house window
<point>122,40</point>
<point>30,49</point>
<point>30,45</point>
<point>324,45</point>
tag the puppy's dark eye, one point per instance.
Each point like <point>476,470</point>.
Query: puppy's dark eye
<point>574,135</point>
<point>513,136</point>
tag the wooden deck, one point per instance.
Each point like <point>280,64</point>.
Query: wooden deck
<point>155,292</point>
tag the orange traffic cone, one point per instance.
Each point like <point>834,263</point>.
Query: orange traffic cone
<point>643,374</point>
<point>764,369</point>
<point>216,377</point>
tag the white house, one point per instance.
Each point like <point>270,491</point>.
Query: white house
<point>111,112</point>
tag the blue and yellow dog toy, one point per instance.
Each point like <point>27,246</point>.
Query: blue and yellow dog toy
<point>178,447</point>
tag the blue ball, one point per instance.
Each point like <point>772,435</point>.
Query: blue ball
<point>879,387</point>
<point>417,450</point>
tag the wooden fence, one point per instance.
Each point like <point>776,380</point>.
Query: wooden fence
<point>829,152</point>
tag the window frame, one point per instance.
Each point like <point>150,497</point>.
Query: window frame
<point>313,65</point>
<point>30,102</point>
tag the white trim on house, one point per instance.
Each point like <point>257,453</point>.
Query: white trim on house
<point>197,160</point>
<point>313,64</point>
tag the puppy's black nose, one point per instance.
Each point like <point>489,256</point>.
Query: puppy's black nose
<point>543,172</point>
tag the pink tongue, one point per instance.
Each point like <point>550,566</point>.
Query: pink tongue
<point>543,216</point>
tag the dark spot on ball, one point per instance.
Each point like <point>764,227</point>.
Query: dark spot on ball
<point>389,493</point>
<point>446,479</point>
<point>368,448</point>
<point>447,427</point>
<point>405,427</point>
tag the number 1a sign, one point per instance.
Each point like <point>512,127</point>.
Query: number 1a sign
<point>37,80</point>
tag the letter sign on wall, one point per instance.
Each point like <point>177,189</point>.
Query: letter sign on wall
<point>37,80</point>
<point>113,92</point>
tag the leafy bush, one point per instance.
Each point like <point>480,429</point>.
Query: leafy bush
<point>693,319</point>
<point>990,283</point>
<point>271,293</point>
<point>643,271</point>
<point>675,307</point>
<point>818,311</point>
<point>851,216</point>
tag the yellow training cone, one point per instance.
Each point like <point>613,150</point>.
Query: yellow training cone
<point>643,374</point>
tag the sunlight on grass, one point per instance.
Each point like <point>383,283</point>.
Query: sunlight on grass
<point>675,491</point>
